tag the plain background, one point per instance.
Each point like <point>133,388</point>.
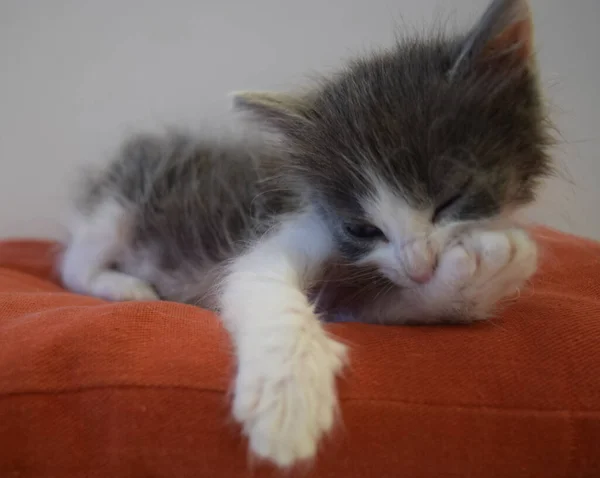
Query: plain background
<point>77,75</point>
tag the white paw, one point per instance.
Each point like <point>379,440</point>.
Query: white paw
<point>114,285</point>
<point>481,268</point>
<point>285,395</point>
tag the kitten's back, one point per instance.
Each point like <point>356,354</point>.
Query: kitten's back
<point>186,206</point>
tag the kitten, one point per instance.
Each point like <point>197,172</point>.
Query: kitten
<point>387,198</point>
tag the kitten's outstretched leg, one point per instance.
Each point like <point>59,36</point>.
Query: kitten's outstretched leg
<point>96,241</point>
<point>285,396</point>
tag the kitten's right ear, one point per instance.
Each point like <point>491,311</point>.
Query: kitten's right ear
<point>502,38</point>
<point>276,109</point>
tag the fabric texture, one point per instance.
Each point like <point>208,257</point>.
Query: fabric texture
<point>92,389</point>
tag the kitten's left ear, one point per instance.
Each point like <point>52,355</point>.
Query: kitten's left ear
<point>503,38</point>
<point>279,110</point>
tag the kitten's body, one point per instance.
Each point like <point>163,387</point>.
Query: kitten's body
<point>384,199</point>
<point>182,208</point>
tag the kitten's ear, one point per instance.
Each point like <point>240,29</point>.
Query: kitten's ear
<point>276,109</point>
<point>503,38</point>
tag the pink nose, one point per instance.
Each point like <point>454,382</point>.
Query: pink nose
<point>421,277</point>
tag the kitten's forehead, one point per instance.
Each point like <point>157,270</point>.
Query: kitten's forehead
<point>387,208</point>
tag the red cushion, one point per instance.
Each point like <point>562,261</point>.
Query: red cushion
<point>96,389</point>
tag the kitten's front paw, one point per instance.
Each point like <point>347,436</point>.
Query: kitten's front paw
<point>480,269</point>
<point>285,394</point>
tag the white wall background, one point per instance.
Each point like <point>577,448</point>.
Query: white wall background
<point>76,75</point>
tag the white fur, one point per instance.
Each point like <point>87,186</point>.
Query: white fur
<point>96,241</point>
<point>285,396</point>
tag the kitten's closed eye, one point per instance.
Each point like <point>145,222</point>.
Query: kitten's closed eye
<point>444,206</point>
<point>364,231</point>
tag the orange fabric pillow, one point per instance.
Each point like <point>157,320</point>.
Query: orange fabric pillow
<point>96,389</point>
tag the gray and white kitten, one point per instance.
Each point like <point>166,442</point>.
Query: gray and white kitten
<point>387,198</point>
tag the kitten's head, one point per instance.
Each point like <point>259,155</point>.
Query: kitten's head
<point>410,142</point>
